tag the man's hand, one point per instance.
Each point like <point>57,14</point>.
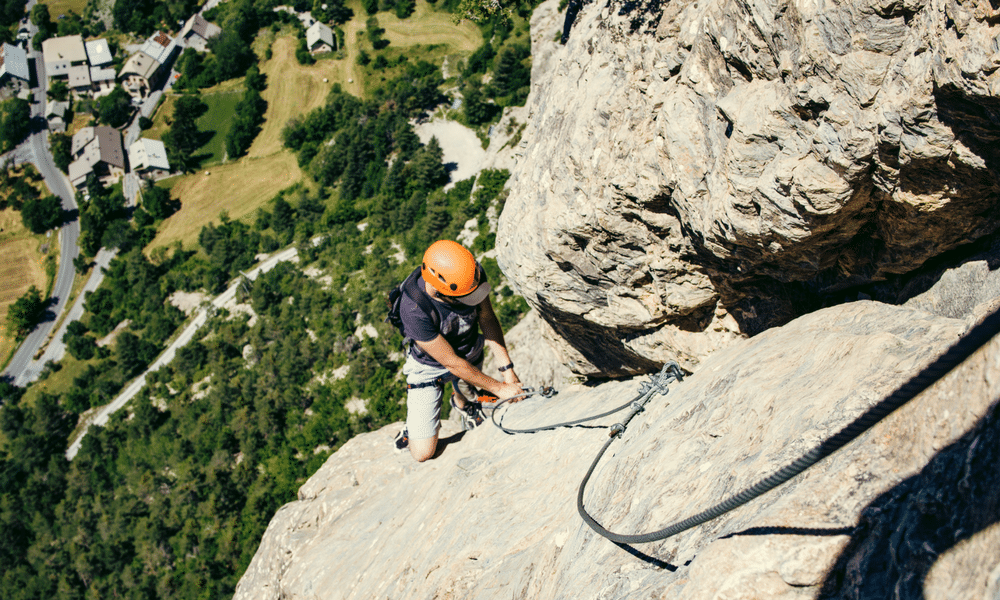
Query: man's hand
<point>508,390</point>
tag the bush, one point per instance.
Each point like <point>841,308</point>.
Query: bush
<point>15,122</point>
<point>115,109</point>
<point>302,53</point>
<point>40,215</point>
<point>62,145</point>
<point>25,312</point>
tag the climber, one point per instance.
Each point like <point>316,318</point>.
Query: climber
<point>442,314</point>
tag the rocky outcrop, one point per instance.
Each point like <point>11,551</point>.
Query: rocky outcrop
<point>695,171</point>
<point>911,506</point>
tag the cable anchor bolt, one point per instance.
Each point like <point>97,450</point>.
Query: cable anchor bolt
<point>616,430</point>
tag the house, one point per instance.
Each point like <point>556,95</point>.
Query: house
<point>13,63</point>
<point>61,54</point>
<point>197,31</point>
<point>98,53</point>
<point>139,74</point>
<point>98,151</point>
<point>79,79</point>
<point>149,158</point>
<point>161,47</point>
<point>319,38</point>
<point>144,69</point>
<point>102,81</point>
<point>55,114</point>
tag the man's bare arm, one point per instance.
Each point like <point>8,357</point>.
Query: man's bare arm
<point>441,351</point>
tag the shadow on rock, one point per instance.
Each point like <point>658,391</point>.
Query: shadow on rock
<point>445,442</point>
<point>903,532</point>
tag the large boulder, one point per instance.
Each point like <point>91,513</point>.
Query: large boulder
<point>695,171</point>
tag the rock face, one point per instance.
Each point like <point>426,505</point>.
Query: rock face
<point>911,506</point>
<point>694,171</point>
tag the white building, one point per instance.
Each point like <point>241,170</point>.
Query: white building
<point>13,63</point>
<point>149,158</point>
<point>55,114</point>
<point>102,81</point>
<point>99,53</point>
<point>144,69</point>
<point>319,38</point>
<point>61,54</point>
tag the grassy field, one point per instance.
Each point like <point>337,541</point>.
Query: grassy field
<point>238,188</point>
<point>164,112</point>
<point>22,266</point>
<point>60,382</point>
<point>61,7</point>
<point>426,26</point>
<point>294,89</point>
<point>219,120</point>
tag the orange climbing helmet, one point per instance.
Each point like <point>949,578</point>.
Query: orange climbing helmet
<point>454,272</point>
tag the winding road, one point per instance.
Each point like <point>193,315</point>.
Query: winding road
<point>22,368</point>
<point>101,415</point>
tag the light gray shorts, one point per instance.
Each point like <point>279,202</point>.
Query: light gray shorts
<point>423,405</point>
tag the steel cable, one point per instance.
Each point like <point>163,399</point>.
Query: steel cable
<point>954,356</point>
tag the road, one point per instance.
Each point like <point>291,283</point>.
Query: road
<point>23,368</point>
<point>100,417</point>
<point>36,150</point>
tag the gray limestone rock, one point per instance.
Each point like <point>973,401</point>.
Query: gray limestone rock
<point>693,172</point>
<point>911,505</point>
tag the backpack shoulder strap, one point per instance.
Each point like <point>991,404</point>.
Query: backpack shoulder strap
<point>413,292</point>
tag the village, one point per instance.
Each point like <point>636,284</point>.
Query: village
<point>76,69</point>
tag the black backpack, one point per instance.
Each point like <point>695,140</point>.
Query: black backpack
<point>413,291</point>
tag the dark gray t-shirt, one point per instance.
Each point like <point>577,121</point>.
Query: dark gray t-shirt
<point>458,323</point>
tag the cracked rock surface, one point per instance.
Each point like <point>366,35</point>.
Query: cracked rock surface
<point>697,171</point>
<point>912,505</point>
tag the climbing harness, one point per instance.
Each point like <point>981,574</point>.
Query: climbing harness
<point>954,356</point>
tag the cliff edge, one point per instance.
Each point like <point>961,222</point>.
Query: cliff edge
<point>910,506</point>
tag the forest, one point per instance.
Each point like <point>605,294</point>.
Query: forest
<point>170,499</point>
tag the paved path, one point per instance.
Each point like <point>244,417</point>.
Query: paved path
<point>100,417</point>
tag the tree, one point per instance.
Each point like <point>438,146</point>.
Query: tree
<point>41,214</point>
<point>15,122</point>
<point>157,202</point>
<point>374,33</point>
<point>78,344</point>
<point>475,106</point>
<point>232,54</point>
<point>115,108</point>
<point>512,77</point>
<point>43,21</point>
<point>482,11</point>
<point>405,8</point>
<point>184,138</point>
<point>428,170</point>
<point>25,312</point>
<point>246,123</point>
<point>58,90</point>
<point>62,146</point>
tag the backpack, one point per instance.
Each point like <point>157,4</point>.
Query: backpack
<point>413,292</point>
